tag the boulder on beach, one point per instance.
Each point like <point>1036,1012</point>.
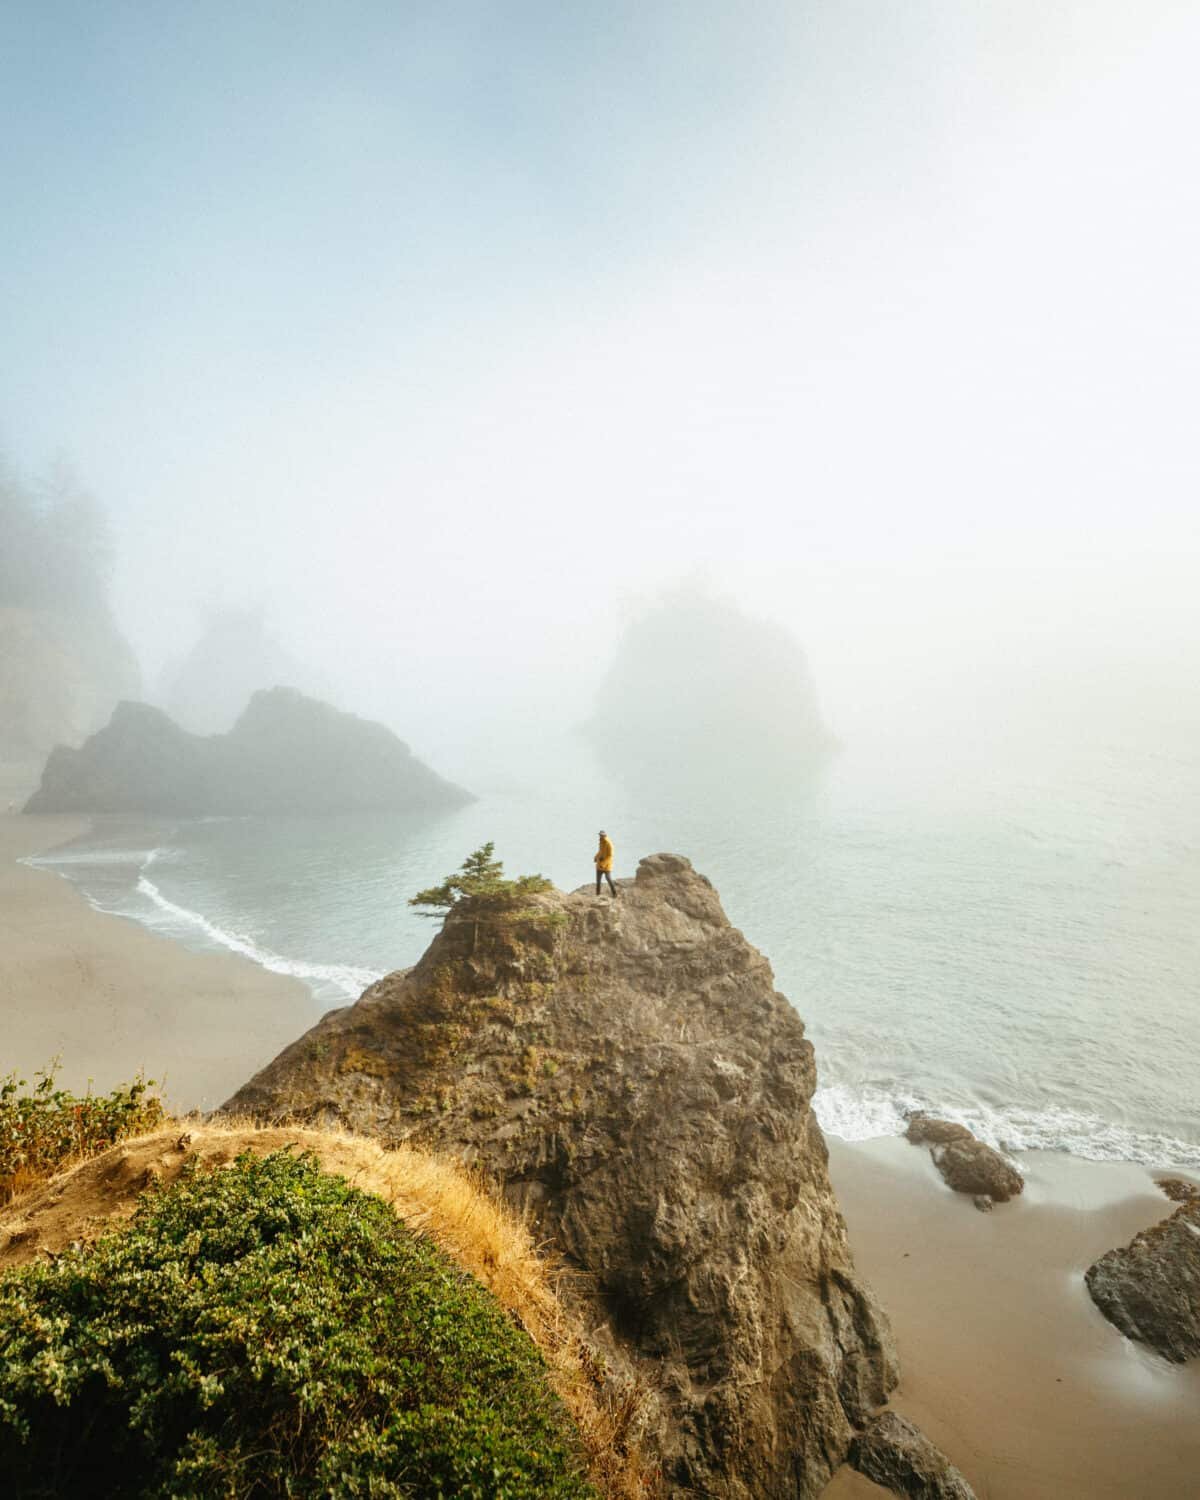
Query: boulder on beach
<point>1150,1288</point>
<point>897,1455</point>
<point>628,1076</point>
<point>965,1162</point>
<point>1178,1189</point>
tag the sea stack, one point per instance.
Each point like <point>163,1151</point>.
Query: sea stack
<point>702,690</point>
<point>286,754</point>
<point>626,1072</point>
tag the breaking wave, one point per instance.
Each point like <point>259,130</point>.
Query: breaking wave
<point>327,981</point>
<point>860,1115</point>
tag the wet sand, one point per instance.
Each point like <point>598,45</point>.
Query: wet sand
<point>1006,1362</point>
<point>109,997</point>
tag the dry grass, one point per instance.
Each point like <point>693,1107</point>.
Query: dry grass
<point>432,1195</point>
<point>17,1184</point>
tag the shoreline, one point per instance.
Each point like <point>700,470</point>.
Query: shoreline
<point>1072,1114</point>
<point>25,836</point>
<point>1006,1363</point>
<point>109,997</point>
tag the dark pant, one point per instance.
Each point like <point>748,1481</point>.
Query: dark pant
<point>604,875</point>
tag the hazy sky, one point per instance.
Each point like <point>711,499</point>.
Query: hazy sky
<point>446,331</point>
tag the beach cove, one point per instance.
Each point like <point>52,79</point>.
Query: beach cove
<point>109,998</point>
<point>1006,1363</point>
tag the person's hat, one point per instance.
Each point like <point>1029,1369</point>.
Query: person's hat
<point>603,835</point>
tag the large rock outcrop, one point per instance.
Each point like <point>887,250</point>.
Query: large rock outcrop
<point>287,753</point>
<point>698,686</point>
<point>627,1073</point>
<point>1150,1288</point>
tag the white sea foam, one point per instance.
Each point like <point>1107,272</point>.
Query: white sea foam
<point>88,856</point>
<point>346,981</point>
<point>1081,1134</point>
<point>1057,1006</point>
<point>860,1115</point>
<point>853,1116</point>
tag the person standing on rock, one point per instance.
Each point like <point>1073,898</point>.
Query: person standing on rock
<point>604,859</point>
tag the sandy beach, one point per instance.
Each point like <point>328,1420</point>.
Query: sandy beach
<point>1006,1363</point>
<point>109,998</point>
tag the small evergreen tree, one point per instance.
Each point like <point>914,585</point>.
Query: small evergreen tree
<point>479,879</point>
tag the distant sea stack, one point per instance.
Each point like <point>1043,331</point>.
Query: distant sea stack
<point>699,686</point>
<point>286,754</point>
<point>205,690</point>
<point>628,1076</point>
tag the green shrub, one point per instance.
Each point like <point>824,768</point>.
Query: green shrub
<point>270,1330</point>
<point>481,881</point>
<point>42,1129</point>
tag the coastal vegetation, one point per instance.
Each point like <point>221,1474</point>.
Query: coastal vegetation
<point>432,1198</point>
<point>480,880</point>
<point>44,1128</point>
<point>63,661</point>
<point>58,551</point>
<point>271,1329</point>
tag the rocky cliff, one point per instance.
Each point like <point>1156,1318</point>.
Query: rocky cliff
<point>627,1073</point>
<point>287,753</point>
<point>59,679</point>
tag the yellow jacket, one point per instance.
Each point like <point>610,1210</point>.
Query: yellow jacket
<point>604,855</point>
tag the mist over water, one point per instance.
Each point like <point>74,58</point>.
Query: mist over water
<point>415,356</point>
<point>994,919</point>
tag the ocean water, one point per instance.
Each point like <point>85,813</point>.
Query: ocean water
<point>996,924</point>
